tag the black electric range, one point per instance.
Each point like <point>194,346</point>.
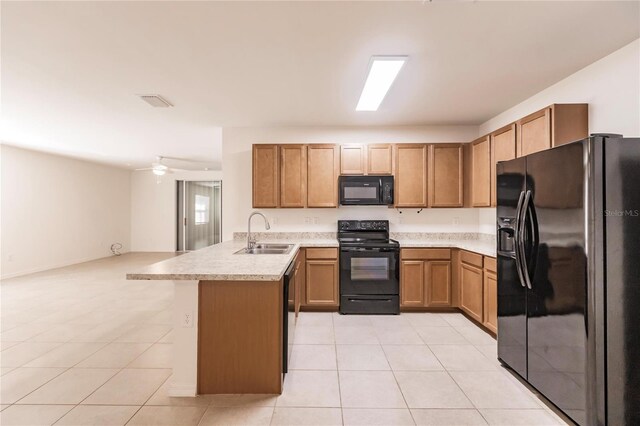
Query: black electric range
<point>369,268</point>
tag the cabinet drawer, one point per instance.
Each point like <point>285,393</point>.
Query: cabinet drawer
<point>490,264</point>
<point>322,253</point>
<point>471,258</point>
<point>425,254</point>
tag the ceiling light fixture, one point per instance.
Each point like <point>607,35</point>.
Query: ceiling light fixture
<point>383,70</point>
<point>159,169</point>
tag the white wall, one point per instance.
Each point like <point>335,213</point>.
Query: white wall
<point>58,211</point>
<point>153,208</point>
<point>611,87</point>
<point>236,194</point>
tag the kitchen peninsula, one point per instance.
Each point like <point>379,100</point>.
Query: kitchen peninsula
<point>228,307</point>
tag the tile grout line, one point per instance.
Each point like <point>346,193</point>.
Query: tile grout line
<point>335,348</point>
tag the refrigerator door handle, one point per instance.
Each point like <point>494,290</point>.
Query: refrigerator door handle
<point>521,231</point>
<point>517,239</point>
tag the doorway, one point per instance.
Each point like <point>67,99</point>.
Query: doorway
<point>199,214</point>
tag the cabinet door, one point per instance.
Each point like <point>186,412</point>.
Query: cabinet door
<point>322,175</point>
<point>471,291</point>
<point>438,283</point>
<point>490,319</point>
<point>534,132</point>
<point>411,175</point>
<point>480,173</point>
<point>503,148</point>
<point>446,175</point>
<point>322,283</point>
<point>352,160</point>
<point>293,175</point>
<point>380,159</point>
<point>265,176</point>
<point>412,283</point>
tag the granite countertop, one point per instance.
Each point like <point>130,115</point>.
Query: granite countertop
<point>486,248</point>
<point>218,262</point>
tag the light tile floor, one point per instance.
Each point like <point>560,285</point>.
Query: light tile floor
<point>81,345</point>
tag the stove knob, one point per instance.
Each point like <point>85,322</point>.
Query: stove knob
<point>344,225</point>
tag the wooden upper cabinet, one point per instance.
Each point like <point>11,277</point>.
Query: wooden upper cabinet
<point>293,175</point>
<point>380,159</point>
<point>555,125</point>
<point>569,122</point>
<point>480,172</point>
<point>503,148</point>
<point>352,159</point>
<point>265,176</point>
<point>446,175</point>
<point>323,166</point>
<point>534,132</point>
<point>411,175</point>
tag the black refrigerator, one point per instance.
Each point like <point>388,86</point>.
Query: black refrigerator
<point>568,236</point>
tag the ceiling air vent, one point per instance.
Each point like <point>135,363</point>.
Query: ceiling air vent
<point>155,101</point>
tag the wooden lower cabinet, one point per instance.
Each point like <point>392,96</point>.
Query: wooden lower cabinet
<point>471,290</point>
<point>490,319</point>
<point>321,278</point>
<point>425,278</point>
<point>412,283</point>
<point>438,288</point>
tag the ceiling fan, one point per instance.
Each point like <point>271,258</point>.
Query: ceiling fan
<point>159,168</point>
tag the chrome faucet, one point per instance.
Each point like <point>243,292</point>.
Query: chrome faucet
<point>250,243</point>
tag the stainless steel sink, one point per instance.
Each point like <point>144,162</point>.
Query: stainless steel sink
<point>266,248</point>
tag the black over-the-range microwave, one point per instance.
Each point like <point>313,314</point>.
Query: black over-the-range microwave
<point>366,190</point>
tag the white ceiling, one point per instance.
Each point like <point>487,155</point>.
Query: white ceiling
<point>70,70</point>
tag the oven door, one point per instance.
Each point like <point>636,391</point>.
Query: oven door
<point>360,190</point>
<point>369,271</point>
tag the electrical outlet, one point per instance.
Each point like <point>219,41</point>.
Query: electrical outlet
<point>307,220</point>
<point>187,319</point>
<point>315,220</point>
<point>456,220</point>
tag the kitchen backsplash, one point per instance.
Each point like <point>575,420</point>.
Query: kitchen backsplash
<point>395,235</point>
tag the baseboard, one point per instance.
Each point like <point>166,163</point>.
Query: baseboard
<point>54,266</point>
<point>183,390</point>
